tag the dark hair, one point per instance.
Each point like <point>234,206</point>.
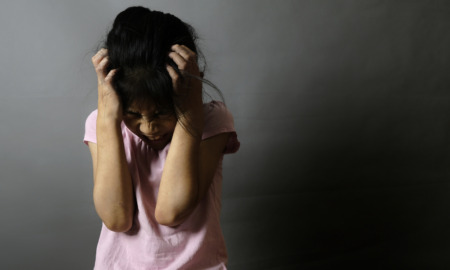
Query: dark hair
<point>138,46</point>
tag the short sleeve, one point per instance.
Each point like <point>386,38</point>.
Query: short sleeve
<point>90,134</point>
<point>217,120</point>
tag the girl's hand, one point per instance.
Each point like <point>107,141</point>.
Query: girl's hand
<point>187,86</point>
<point>109,105</point>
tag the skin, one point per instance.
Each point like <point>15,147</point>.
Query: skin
<point>190,164</point>
<point>153,127</point>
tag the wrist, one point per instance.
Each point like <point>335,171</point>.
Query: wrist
<point>108,125</point>
<point>109,134</point>
<point>192,122</point>
<point>109,119</point>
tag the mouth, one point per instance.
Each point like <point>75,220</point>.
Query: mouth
<point>157,139</point>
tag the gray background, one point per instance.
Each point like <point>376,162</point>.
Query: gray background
<point>342,109</point>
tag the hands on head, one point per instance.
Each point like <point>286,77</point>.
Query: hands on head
<point>188,85</point>
<point>109,105</point>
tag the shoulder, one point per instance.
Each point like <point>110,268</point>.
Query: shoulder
<point>218,120</point>
<point>90,128</point>
<point>216,114</point>
<point>214,106</point>
<point>92,117</point>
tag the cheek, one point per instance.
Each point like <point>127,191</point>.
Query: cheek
<point>169,126</point>
<point>131,125</point>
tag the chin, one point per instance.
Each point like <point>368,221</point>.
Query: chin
<point>158,145</point>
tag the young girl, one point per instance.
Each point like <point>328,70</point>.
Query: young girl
<point>156,149</point>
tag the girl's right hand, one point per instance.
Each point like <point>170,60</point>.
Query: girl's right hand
<point>109,105</point>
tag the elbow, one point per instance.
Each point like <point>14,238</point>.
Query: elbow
<point>119,226</point>
<point>167,218</point>
<point>116,222</point>
<point>173,212</point>
<point>171,218</point>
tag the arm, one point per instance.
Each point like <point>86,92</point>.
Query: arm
<point>113,189</point>
<point>187,175</point>
<point>191,163</point>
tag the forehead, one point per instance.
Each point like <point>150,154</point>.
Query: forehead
<point>142,108</point>
<point>141,105</point>
<point>148,108</point>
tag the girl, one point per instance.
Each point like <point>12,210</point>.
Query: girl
<point>156,149</point>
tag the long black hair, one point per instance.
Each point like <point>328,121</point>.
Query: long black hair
<point>138,46</point>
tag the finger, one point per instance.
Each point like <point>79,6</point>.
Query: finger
<point>173,74</point>
<point>185,52</point>
<point>99,56</point>
<point>179,60</point>
<point>189,51</point>
<point>100,69</point>
<point>110,76</point>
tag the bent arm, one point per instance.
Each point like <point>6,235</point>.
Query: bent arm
<point>191,163</point>
<point>113,188</point>
<point>188,173</point>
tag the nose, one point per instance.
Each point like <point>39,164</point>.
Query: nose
<point>148,127</point>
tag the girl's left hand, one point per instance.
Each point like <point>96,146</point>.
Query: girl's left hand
<point>189,85</point>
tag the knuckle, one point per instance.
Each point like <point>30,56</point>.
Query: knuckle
<point>182,65</point>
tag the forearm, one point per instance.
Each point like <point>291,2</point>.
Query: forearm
<point>113,189</point>
<point>179,187</point>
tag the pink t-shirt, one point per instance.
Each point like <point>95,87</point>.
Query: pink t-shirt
<point>195,244</point>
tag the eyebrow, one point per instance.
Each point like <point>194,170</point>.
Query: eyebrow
<point>156,113</point>
<point>133,112</point>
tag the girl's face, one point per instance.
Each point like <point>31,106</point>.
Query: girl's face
<point>152,126</point>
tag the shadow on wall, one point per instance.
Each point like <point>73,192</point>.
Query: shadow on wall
<point>357,176</point>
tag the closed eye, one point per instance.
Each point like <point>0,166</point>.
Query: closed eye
<point>133,114</point>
